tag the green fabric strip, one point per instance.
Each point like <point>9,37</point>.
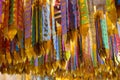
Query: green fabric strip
<point>11,11</point>
<point>40,24</point>
<point>33,26</point>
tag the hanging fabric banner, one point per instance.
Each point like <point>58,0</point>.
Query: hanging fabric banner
<point>104,33</point>
<point>37,26</point>
<point>118,27</point>
<point>20,14</point>
<point>11,11</point>
<point>64,6</point>
<point>111,43</point>
<point>0,11</point>
<point>116,48</point>
<point>57,48</point>
<point>27,18</point>
<point>33,25</point>
<point>72,14</point>
<point>99,42</point>
<point>12,31</point>
<point>6,18</point>
<point>84,17</point>
<point>40,24</point>
<point>46,22</point>
<point>54,34</point>
<point>78,14</point>
<point>118,45</point>
<point>111,15</point>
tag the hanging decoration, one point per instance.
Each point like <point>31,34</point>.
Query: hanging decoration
<point>60,39</point>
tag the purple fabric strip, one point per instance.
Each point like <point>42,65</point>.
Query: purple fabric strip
<point>64,15</point>
<point>0,11</point>
<point>72,14</point>
<point>78,14</point>
<point>36,62</point>
<point>115,45</point>
<point>27,19</point>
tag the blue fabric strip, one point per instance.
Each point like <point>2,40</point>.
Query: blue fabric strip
<point>72,14</point>
<point>46,22</point>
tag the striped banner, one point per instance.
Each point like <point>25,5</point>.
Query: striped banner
<point>20,15</point>
<point>27,18</point>
<point>46,22</point>
<point>104,33</point>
